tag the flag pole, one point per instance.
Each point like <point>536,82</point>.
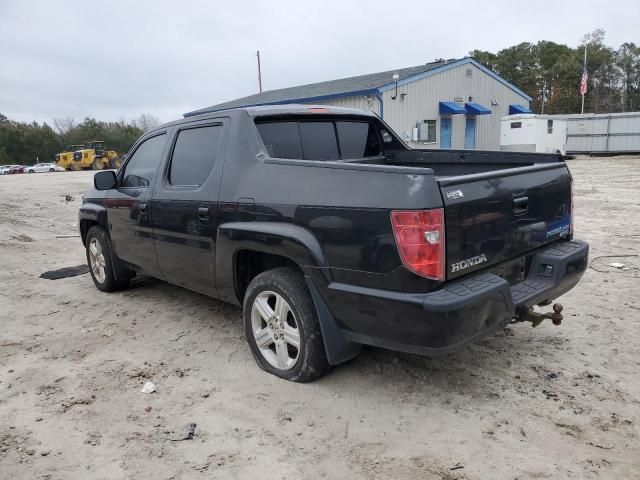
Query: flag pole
<point>584,68</point>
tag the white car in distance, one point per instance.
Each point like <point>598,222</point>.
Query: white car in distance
<point>44,167</point>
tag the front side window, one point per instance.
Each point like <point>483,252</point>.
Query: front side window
<point>549,126</point>
<point>142,167</point>
<point>194,155</point>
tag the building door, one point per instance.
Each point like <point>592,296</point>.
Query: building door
<point>445,132</point>
<point>470,133</point>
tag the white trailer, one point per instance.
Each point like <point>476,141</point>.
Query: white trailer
<point>528,132</point>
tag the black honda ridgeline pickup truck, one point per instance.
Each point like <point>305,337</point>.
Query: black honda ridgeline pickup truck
<point>332,233</point>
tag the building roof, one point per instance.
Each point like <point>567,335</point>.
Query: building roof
<point>370,84</point>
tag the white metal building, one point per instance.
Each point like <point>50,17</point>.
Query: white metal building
<point>445,104</point>
<point>602,133</point>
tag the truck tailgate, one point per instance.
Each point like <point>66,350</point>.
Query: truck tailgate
<point>496,216</point>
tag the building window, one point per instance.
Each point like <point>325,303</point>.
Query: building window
<point>427,131</point>
<point>469,73</point>
<point>516,124</point>
<point>549,127</point>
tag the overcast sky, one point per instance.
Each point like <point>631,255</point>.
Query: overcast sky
<point>117,59</point>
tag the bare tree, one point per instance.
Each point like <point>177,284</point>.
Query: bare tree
<point>146,122</point>
<point>64,127</point>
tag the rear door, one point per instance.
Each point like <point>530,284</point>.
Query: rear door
<point>493,217</point>
<point>184,205</point>
<point>128,207</point>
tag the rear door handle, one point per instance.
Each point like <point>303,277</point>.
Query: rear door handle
<point>520,205</point>
<point>203,214</point>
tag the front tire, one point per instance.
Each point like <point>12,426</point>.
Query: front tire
<point>97,164</point>
<point>100,261</point>
<point>282,327</point>
<point>31,171</point>
<point>115,163</point>
<point>52,169</point>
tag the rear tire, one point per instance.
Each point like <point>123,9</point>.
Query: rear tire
<point>279,314</point>
<point>31,171</point>
<point>52,169</point>
<point>100,261</point>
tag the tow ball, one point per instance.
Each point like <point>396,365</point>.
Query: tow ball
<point>536,318</point>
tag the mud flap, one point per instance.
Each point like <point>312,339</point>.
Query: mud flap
<point>339,349</point>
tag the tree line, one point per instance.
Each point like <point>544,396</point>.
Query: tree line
<point>22,143</point>
<point>553,71</point>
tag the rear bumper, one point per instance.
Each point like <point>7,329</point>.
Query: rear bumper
<point>463,311</point>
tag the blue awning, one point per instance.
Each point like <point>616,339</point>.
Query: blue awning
<point>476,109</point>
<point>515,109</point>
<point>451,108</point>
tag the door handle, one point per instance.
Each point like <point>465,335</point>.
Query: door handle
<point>203,214</point>
<point>520,205</point>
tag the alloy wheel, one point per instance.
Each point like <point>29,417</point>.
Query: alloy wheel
<point>275,330</point>
<point>96,260</point>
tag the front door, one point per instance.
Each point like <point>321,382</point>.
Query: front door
<point>445,132</point>
<point>470,133</point>
<point>184,207</point>
<point>128,208</point>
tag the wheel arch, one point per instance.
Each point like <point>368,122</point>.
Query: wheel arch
<point>91,214</point>
<point>273,243</point>
<point>246,249</point>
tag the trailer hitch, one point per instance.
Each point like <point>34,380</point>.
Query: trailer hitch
<point>536,318</point>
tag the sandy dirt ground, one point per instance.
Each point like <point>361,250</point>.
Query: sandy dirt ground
<point>529,403</point>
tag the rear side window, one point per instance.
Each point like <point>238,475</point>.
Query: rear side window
<point>282,139</point>
<point>318,141</point>
<point>194,155</point>
<point>142,166</point>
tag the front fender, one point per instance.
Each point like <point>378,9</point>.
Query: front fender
<point>90,214</point>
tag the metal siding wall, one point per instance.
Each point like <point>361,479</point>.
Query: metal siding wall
<point>616,132</point>
<point>421,103</point>
<point>364,103</point>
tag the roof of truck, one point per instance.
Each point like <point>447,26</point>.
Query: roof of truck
<point>273,110</point>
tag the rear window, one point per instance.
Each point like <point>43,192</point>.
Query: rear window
<point>320,140</point>
<point>357,139</point>
<point>281,139</point>
<point>194,155</point>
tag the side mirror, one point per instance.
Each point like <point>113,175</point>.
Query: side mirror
<point>105,180</point>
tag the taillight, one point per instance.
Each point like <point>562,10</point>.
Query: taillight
<point>420,239</point>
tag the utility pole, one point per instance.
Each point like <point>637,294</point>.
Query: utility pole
<point>259,72</point>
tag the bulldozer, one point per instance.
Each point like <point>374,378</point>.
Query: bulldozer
<point>94,155</point>
<point>65,157</point>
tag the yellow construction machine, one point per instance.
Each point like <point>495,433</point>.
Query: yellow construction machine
<point>65,158</point>
<point>93,155</point>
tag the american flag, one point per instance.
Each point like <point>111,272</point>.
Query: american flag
<point>583,81</point>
